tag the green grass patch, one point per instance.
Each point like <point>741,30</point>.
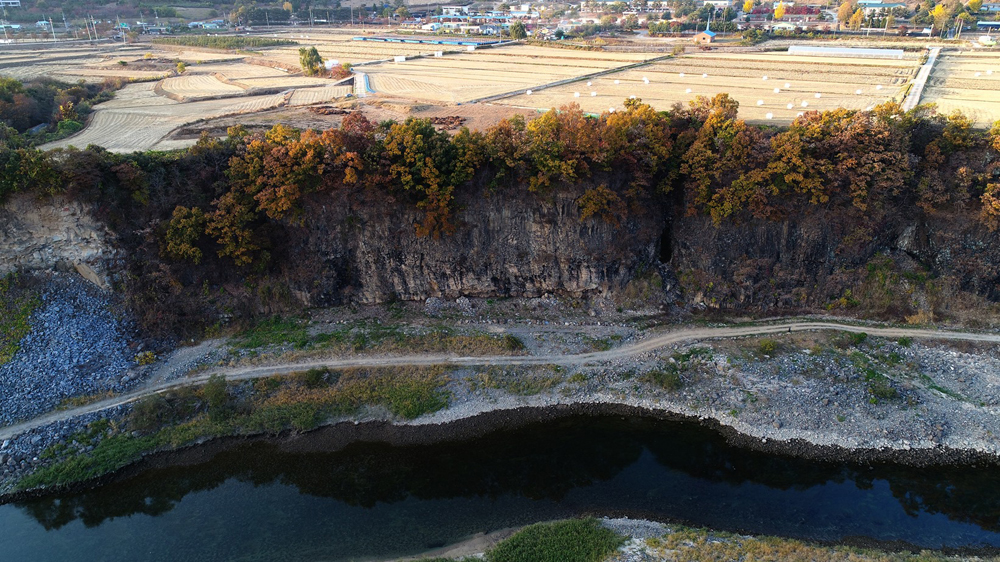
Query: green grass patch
<point>576,540</point>
<point>17,303</point>
<point>274,331</point>
<point>668,378</point>
<point>227,42</point>
<point>929,383</point>
<point>527,381</point>
<point>879,386</point>
<point>382,338</point>
<point>671,376</point>
<point>301,401</point>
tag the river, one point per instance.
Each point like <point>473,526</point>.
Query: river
<point>260,501</point>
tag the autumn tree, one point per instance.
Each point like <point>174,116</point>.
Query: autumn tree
<point>561,147</point>
<point>779,11</point>
<point>857,19</point>
<point>844,13</point>
<point>518,31</point>
<point>186,227</point>
<point>506,150</point>
<point>310,61</point>
<point>723,147</point>
<point>747,6</point>
<point>990,212</point>
<point>602,202</point>
<point>425,162</point>
<point>940,16</point>
<point>640,140</point>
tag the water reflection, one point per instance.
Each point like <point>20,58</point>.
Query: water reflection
<point>599,465</point>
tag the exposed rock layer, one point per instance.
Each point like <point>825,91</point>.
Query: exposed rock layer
<point>45,234</point>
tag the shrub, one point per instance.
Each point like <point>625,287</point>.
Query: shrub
<point>145,358</point>
<point>314,378</point>
<point>577,540</point>
<point>669,379</point>
<point>767,347</point>
<point>512,343</point>
<point>149,413</point>
<point>216,395</point>
<point>905,342</point>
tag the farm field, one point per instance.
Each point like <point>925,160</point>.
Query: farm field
<point>141,125</point>
<point>966,81</point>
<point>465,76</point>
<point>194,86</point>
<point>229,87</point>
<point>792,84</point>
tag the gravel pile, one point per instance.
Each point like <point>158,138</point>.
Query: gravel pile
<point>78,346</point>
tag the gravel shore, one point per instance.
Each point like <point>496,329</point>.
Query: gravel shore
<point>812,394</point>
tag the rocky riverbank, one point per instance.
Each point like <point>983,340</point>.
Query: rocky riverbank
<point>825,394</point>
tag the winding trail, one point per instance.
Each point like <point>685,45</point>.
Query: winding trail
<point>597,357</point>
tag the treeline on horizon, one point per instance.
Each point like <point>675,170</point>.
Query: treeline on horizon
<point>192,215</point>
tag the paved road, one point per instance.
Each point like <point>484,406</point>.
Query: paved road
<point>568,360</point>
<point>920,81</point>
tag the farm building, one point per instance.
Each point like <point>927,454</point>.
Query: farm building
<point>872,7</point>
<point>10,3</point>
<point>705,37</point>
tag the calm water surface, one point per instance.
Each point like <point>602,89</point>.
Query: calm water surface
<point>368,501</point>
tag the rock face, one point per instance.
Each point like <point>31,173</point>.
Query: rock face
<point>504,245</point>
<point>39,235</point>
<point>815,258</point>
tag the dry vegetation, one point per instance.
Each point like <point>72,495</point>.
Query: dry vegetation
<point>143,117</point>
<point>966,81</point>
<point>470,75</point>
<point>798,80</point>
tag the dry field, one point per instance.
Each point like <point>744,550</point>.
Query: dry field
<point>194,86</point>
<point>966,81</point>
<point>138,118</point>
<point>143,114</point>
<point>798,81</point>
<point>465,76</point>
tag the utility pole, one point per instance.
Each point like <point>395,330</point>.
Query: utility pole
<point>53,30</point>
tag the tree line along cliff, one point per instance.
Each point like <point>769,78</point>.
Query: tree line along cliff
<point>842,209</point>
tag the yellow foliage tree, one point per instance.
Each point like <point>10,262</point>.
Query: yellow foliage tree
<point>779,12</point>
<point>857,19</point>
<point>940,15</point>
<point>844,13</point>
<point>747,6</point>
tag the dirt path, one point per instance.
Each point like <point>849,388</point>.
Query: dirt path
<point>157,385</point>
